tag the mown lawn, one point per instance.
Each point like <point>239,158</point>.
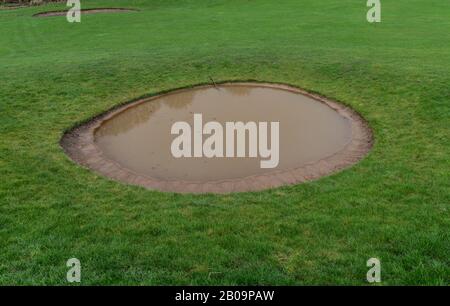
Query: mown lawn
<point>394,205</point>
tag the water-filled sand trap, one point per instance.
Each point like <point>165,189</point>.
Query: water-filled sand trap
<point>12,7</point>
<point>133,143</point>
<point>85,11</point>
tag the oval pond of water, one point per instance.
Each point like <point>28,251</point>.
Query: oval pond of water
<point>134,143</point>
<point>140,138</point>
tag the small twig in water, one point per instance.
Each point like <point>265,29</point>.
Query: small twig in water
<point>215,85</point>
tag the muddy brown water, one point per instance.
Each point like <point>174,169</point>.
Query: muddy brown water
<point>132,143</point>
<point>139,138</point>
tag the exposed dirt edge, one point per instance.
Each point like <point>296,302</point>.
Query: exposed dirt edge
<point>86,11</point>
<point>79,144</point>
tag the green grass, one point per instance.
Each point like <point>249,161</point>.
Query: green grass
<point>393,205</point>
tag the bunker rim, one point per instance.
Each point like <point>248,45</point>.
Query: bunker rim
<point>86,11</point>
<point>79,144</point>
